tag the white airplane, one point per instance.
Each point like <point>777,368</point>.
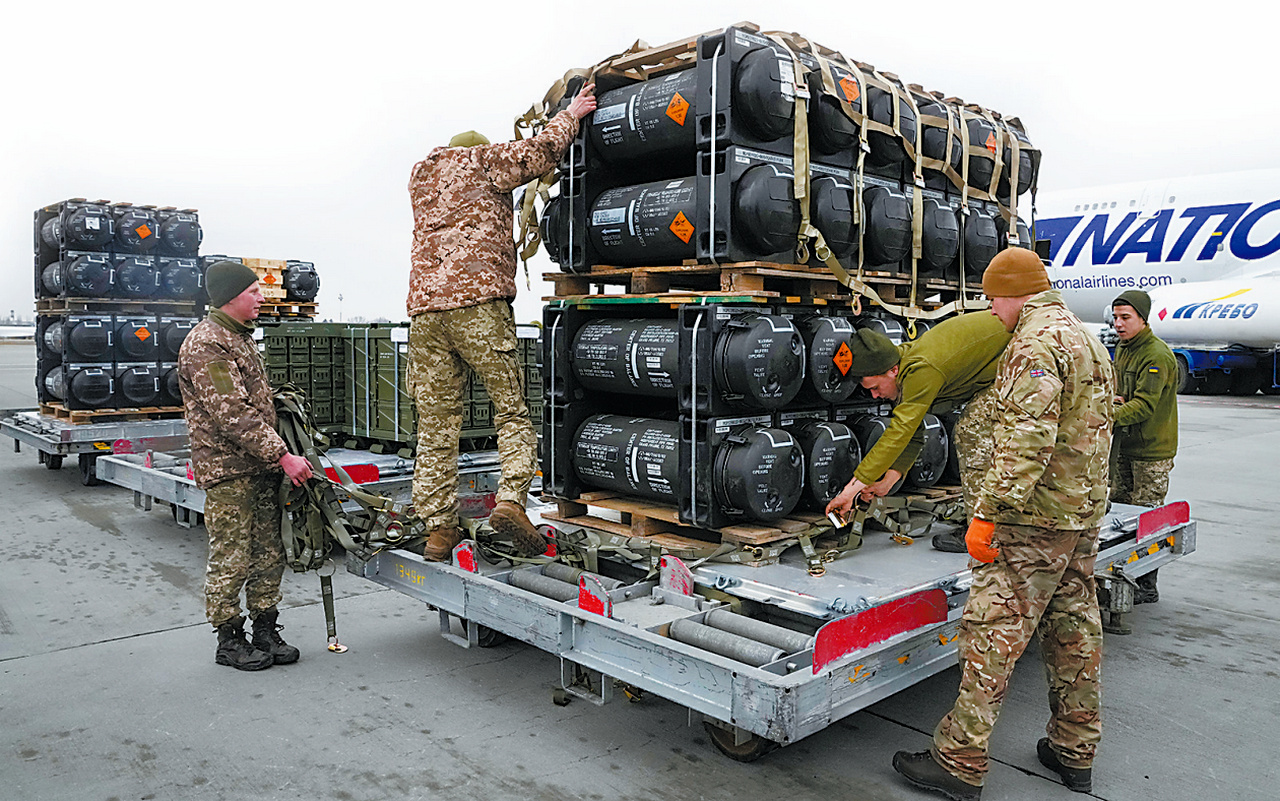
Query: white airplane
<point>1207,250</point>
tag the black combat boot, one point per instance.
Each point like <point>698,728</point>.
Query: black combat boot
<point>1146,592</point>
<point>1078,780</point>
<point>235,650</point>
<point>951,541</point>
<point>922,770</point>
<point>266,638</point>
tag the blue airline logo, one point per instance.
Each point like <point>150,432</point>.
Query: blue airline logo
<point>1231,226</point>
<point>1215,309</point>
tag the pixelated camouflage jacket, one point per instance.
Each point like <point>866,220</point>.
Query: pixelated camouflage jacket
<point>231,416</point>
<point>1054,390</point>
<point>944,368</point>
<point>463,247</point>
<point>1147,379</point>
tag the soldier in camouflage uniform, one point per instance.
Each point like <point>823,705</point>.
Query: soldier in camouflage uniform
<point>237,458</point>
<point>1035,538</point>
<point>1146,418</point>
<point>953,363</point>
<point>460,291</point>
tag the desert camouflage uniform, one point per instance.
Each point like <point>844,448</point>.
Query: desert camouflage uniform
<point>1047,493</point>
<point>235,452</point>
<point>460,288</point>
<point>974,444</point>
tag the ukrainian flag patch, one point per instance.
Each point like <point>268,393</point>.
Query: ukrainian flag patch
<point>1153,369</point>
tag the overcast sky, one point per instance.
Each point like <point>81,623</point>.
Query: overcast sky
<point>292,127</point>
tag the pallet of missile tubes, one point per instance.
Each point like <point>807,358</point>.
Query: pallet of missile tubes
<point>684,178</point>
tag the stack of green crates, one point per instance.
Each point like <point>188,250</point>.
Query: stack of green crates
<point>312,358</point>
<point>354,375</point>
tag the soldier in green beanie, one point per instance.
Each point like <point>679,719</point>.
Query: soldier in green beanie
<point>238,460</point>
<point>1146,434</point>
<point>950,365</point>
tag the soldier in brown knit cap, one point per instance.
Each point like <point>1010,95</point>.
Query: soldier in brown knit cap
<point>1034,537</point>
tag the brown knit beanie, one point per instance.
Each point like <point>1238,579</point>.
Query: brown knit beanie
<point>225,280</point>
<point>1014,272</point>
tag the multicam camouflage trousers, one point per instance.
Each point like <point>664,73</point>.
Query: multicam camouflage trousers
<point>441,345</point>
<point>242,516</point>
<point>975,444</point>
<point>1140,482</point>
<point>1042,584</point>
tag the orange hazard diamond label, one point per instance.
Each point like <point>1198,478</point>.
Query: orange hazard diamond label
<point>142,334</point>
<point>678,108</point>
<point>268,279</point>
<point>681,227</point>
<point>843,359</point>
<point>991,142</point>
<point>143,231</point>
<point>850,88</point>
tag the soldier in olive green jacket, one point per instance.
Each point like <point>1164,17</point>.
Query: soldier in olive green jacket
<point>1146,435</point>
<point>951,365</point>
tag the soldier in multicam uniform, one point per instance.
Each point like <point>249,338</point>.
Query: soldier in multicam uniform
<point>1035,538</point>
<point>237,457</point>
<point>953,363</point>
<point>1146,414</point>
<point>460,291</point>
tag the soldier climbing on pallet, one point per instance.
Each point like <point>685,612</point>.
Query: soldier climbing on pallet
<point>237,457</point>
<point>460,290</point>
<point>953,363</point>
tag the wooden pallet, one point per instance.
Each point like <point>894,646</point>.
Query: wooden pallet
<point>661,526</point>
<point>288,310</point>
<point>792,283</point>
<point>70,305</point>
<point>86,416</point>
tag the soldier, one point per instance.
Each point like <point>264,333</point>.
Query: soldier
<point>953,363</point>
<point>460,291</point>
<point>1035,537</point>
<point>237,457</point>
<point>1146,438</point>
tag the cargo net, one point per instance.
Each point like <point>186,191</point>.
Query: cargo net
<point>744,144</point>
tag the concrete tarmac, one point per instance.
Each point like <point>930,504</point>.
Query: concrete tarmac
<point>109,691</point>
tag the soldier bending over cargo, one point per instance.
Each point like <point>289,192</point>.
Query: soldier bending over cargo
<point>460,291</point>
<point>953,363</point>
<point>1146,438</point>
<point>237,457</point>
<point>1034,537</point>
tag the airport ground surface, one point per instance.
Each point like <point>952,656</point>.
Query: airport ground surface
<point>109,691</point>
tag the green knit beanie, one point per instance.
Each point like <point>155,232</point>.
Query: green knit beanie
<point>873,353</point>
<point>226,279</point>
<point>1139,300</point>
<point>468,139</point>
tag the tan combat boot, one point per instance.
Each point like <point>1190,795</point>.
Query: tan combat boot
<point>440,543</point>
<point>510,520</point>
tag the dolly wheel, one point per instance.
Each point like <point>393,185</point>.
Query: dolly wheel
<point>754,748</point>
<point>89,470</point>
<point>488,638</point>
<point>53,461</point>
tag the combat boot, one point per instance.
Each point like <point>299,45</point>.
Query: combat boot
<point>510,520</point>
<point>922,770</point>
<point>234,650</point>
<point>951,541</point>
<point>440,543</point>
<point>266,638</point>
<point>1078,780</point>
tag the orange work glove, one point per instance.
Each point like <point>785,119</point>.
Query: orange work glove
<point>978,540</point>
